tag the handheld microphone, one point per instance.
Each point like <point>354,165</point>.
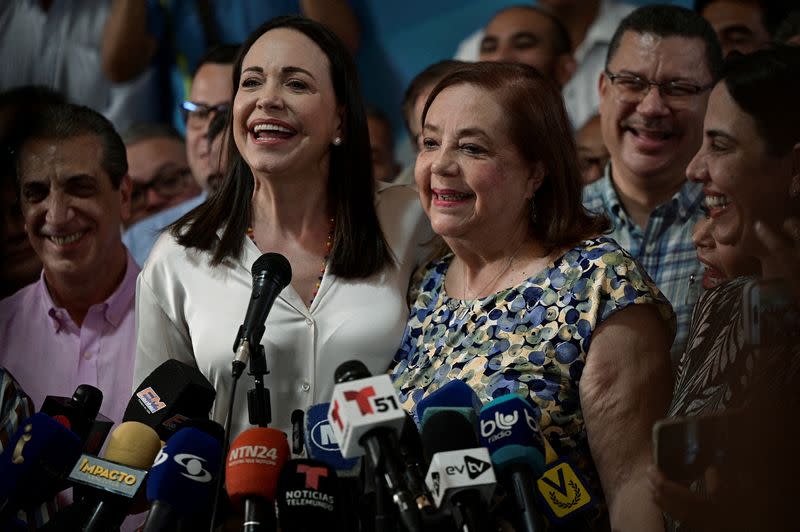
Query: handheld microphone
<point>173,393</point>
<point>271,274</point>
<point>82,411</point>
<point>510,432</point>
<point>106,487</point>
<point>297,431</point>
<point>366,418</point>
<point>461,476</point>
<point>181,480</point>
<point>251,475</point>
<point>321,445</point>
<point>455,394</point>
<point>35,464</point>
<point>307,497</point>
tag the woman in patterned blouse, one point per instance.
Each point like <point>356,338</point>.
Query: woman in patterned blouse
<point>528,298</point>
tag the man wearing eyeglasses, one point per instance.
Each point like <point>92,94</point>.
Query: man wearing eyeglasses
<point>205,114</point>
<point>159,170</point>
<point>661,63</point>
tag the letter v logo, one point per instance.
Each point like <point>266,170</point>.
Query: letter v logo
<point>475,467</point>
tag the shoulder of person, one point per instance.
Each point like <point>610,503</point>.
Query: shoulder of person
<point>391,194</point>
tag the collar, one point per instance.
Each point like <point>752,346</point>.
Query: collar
<point>114,308</point>
<point>683,204</point>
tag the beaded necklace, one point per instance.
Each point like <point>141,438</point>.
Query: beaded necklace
<point>328,247</point>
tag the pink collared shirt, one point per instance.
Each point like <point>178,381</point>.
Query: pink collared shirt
<point>50,355</point>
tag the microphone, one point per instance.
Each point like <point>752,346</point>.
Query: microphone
<point>108,485</point>
<point>35,464</point>
<point>412,455</point>
<point>297,431</point>
<point>321,445</point>
<point>173,393</point>
<point>461,476</point>
<point>82,413</point>
<point>509,430</point>
<point>181,480</point>
<point>251,475</point>
<point>455,394</point>
<point>271,274</point>
<point>307,497</point>
<point>366,418</point>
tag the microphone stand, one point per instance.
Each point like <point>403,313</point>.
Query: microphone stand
<point>258,403</point>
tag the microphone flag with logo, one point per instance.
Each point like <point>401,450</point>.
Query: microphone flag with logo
<point>173,393</point>
<point>308,497</point>
<point>181,480</point>
<point>251,474</point>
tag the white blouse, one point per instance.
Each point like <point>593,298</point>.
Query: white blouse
<point>190,311</point>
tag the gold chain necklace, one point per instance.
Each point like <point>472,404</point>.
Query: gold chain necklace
<point>468,300</point>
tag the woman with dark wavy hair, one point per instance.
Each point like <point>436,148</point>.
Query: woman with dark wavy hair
<point>298,182</point>
<point>529,299</point>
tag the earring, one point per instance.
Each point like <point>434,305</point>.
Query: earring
<point>337,141</point>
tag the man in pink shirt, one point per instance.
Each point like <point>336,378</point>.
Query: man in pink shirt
<point>75,325</point>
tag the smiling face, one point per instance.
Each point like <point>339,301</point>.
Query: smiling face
<point>72,212</point>
<point>653,139</point>
<point>473,183</point>
<point>742,181</point>
<point>720,261</point>
<point>285,113</point>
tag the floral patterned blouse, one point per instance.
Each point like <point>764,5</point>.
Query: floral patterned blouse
<point>530,339</point>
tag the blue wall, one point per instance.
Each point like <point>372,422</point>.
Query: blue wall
<point>402,37</point>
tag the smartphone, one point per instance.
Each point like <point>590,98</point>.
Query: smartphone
<point>771,317</point>
<point>685,446</point>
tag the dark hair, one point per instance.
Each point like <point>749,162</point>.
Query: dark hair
<point>670,21</point>
<point>561,41</point>
<point>772,11</point>
<point>790,27</point>
<point>16,107</point>
<point>221,54</point>
<point>541,132</point>
<point>149,130</point>
<point>65,121</point>
<point>766,85</point>
<point>359,248</point>
<point>427,78</point>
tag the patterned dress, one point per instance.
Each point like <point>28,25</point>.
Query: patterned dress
<point>530,339</point>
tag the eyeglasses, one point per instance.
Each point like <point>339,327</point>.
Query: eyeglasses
<point>196,114</point>
<point>632,88</point>
<point>167,185</point>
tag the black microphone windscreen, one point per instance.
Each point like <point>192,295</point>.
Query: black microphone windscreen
<point>276,265</point>
<point>448,431</point>
<point>173,393</point>
<point>209,426</point>
<point>90,399</point>
<point>350,371</point>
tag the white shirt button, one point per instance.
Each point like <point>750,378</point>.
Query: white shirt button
<point>87,355</point>
<point>309,321</point>
<point>306,386</point>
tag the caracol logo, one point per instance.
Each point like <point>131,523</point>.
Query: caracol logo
<point>323,437</point>
<point>150,400</point>
<point>194,467</point>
